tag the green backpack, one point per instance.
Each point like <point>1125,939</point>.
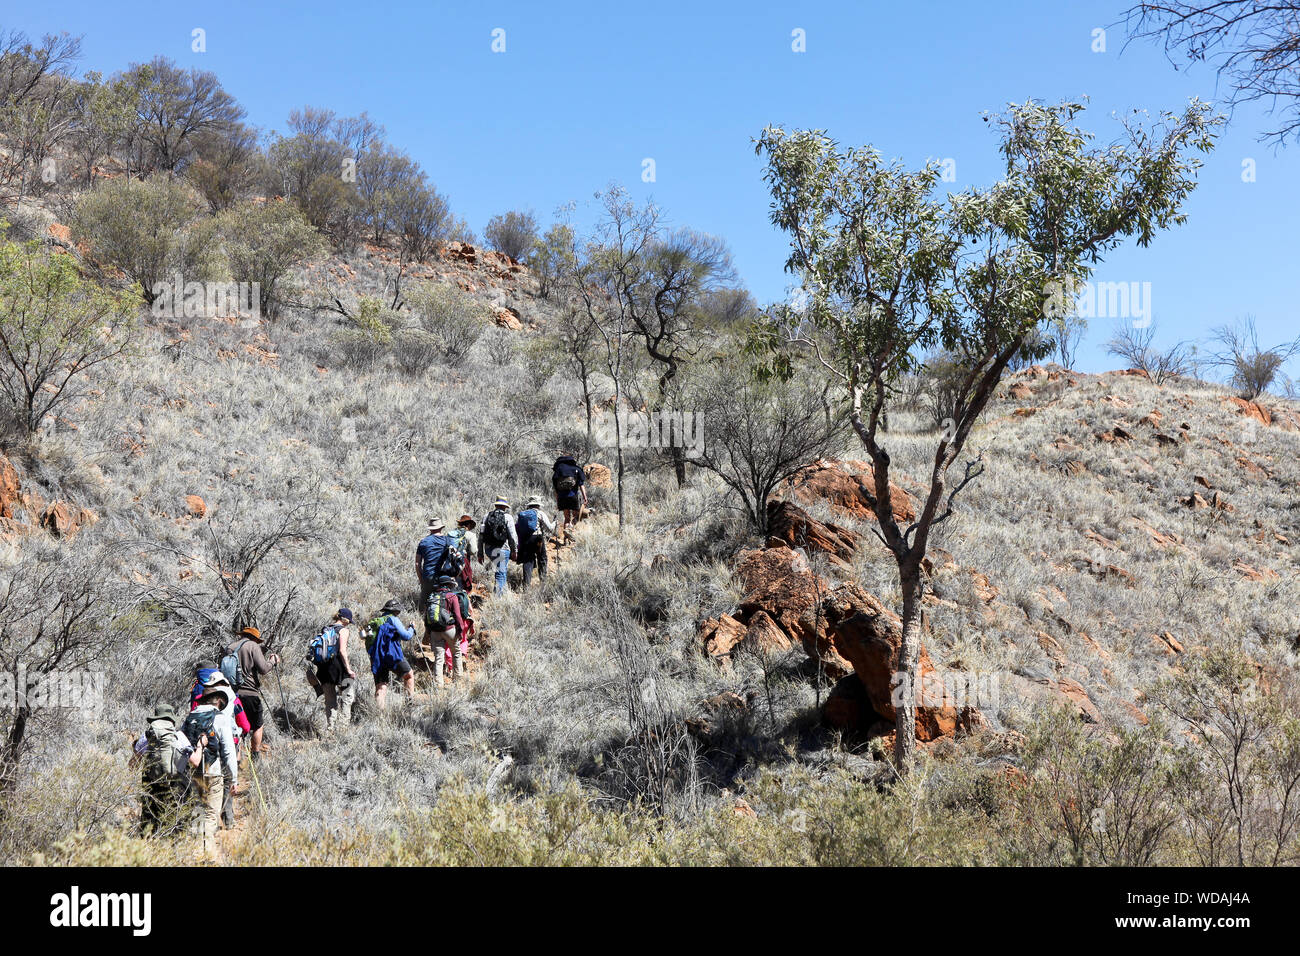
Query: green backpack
<point>372,631</point>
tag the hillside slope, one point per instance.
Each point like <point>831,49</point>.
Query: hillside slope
<point>1118,528</point>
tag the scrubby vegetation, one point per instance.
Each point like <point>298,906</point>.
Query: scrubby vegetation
<point>1120,572</point>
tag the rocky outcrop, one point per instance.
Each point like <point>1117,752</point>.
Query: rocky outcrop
<point>853,636</point>
<point>10,487</point>
<point>790,524</point>
<point>63,520</point>
<point>23,511</point>
<point>850,486</point>
<point>870,636</point>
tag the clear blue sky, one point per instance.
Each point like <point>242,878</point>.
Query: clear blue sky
<point>585,91</point>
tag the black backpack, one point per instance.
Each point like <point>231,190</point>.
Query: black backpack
<point>565,477</point>
<point>496,528</point>
<point>198,723</point>
<point>453,563</point>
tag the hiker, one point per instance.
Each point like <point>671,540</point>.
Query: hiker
<point>165,753</point>
<point>466,542</point>
<point>332,670</point>
<point>497,541</point>
<point>239,719</point>
<point>531,528</point>
<point>211,733</point>
<point>384,636</point>
<point>243,666</point>
<point>570,484</point>
<point>430,557</point>
<point>447,618</point>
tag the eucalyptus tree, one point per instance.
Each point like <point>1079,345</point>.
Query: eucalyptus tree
<point>892,271</point>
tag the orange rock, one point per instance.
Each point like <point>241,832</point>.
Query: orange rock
<point>850,486</point>
<point>598,476</point>
<point>1251,410</point>
<point>64,521</point>
<point>1168,643</point>
<point>762,635</point>
<point>720,636</point>
<point>793,527</point>
<point>10,486</point>
<point>1254,574</point>
<point>196,506</point>
<point>869,636</point>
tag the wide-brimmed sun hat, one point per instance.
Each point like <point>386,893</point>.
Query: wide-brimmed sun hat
<point>164,712</point>
<point>467,521</point>
<point>501,502</point>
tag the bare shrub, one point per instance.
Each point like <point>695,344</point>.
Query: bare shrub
<point>1243,805</point>
<point>1251,369</point>
<point>1135,346</point>
<point>758,434</point>
<point>1091,802</point>
<point>58,613</point>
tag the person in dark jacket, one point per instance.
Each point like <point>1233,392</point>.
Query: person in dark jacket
<point>570,484</point>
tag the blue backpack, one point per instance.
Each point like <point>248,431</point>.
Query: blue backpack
<point>231,667</point>
<point>324,646</point>
<point>526,526</point>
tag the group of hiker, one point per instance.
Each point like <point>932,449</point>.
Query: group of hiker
<point>194,757</point>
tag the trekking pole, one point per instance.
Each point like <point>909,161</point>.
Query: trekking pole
<point>284,702</point>
<point>252,766</point>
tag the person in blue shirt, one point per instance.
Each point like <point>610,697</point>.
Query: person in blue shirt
<point>429,556</point>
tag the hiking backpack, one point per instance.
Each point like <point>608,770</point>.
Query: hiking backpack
<point>324,647</point>
<point>448,607</point>
<point>372,631</point>
<point>162,757</point>
<point>565,476</point>
<point>230,666</point>
<point>496,529</point>
<point>526,526</point>
<point>453,562</point>
<point>198,723</point>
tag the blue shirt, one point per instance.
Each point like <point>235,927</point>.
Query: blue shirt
<point>429,554</point>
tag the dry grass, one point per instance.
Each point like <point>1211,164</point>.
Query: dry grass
<point>557,724</point>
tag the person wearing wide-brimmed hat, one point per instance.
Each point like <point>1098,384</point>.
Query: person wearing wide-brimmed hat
<point>384,636</point>
<point>497,541</point>
<point>164,752</point>
<point>430,555</point>
<point>252,665</point>
<point>463,537</point>
<point>210,732</point>
<point>531,528</point>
